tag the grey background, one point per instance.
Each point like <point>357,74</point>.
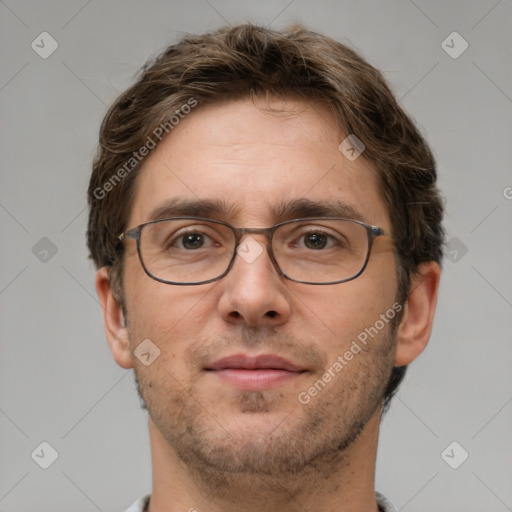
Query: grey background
<point>58,382</point>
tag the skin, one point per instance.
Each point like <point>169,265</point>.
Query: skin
<point>219,448</point>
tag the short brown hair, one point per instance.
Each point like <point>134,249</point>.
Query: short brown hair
<point>248,60</point>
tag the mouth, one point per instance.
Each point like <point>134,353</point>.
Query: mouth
<point>254,373</point>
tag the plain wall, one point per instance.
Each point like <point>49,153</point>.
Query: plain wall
<point>58,382</point>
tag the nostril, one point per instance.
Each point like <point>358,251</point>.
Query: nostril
<point>271,314</point>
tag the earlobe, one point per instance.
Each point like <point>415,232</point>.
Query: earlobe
<point>114,321</point>
<point>415,327</point>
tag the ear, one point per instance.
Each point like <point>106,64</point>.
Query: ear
<point>414,330</point>
<point>114,321</point>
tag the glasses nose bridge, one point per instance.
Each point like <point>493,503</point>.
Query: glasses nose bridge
<point>241,232</point>
<point>267,232</point>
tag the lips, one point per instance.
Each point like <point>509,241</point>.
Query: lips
<point>262,362</point>
<point>254,373</point>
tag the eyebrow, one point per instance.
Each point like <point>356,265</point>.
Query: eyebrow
<point>285,210</point>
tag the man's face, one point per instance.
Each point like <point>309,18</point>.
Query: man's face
<point>254,161</point>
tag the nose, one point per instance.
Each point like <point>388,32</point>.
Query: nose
<point>253,292</point>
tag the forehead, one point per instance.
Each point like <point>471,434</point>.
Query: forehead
<point>255,157</point>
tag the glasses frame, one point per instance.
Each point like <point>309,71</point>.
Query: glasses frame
<point>372,232</point>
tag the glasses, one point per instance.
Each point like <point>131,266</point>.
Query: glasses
<point>193,250</point>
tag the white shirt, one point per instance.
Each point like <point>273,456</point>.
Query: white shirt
<point>142,503</point>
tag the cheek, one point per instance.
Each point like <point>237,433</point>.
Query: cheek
<point>347,312</point>
<point>170,316</point>
<point>143,302</point>
<point>348,305</point>
<point>151,305</point>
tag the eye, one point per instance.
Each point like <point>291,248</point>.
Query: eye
<point>192,240</point>
<point>315,241</point>
<point>189,240</point>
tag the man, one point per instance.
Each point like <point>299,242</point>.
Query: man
<point>266,226</point>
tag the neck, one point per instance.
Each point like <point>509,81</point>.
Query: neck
<point>340,482</point>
